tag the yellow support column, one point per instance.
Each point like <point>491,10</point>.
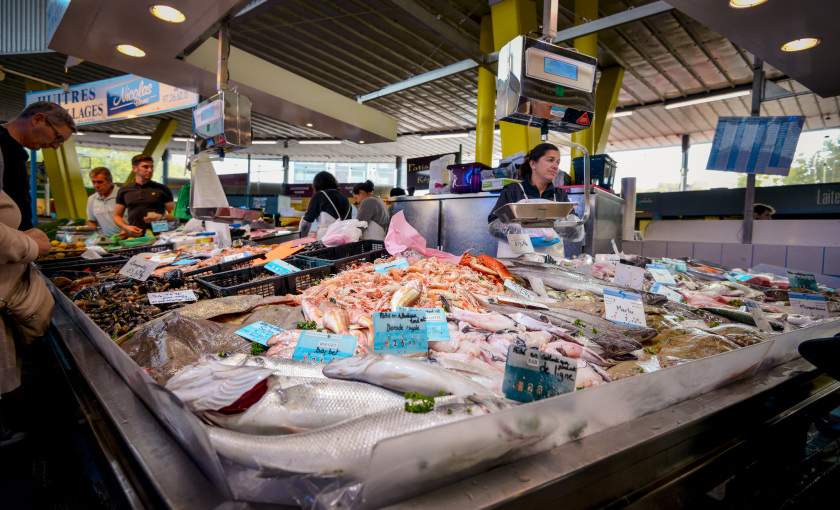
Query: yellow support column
<point>606,97</point>
<point>66,185</point>
<point>512,18</point>
<point>485,121</point>
<point>157,144</point>
<point>588,45</point>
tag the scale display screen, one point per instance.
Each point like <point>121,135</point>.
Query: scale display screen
<point>562,69</point>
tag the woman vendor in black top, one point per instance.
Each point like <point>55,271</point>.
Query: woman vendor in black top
<point>327,206</point>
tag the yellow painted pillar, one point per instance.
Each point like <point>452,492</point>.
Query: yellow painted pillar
<point>588,45</point>
<point>606,97</point>
<point>157,144</point>
<point>512,18</point>
<point>66,185</point>
<point>485,121</point>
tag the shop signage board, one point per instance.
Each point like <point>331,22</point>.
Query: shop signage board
<point>755,145</point>
<point>417,175</point>
<point>124,97</point>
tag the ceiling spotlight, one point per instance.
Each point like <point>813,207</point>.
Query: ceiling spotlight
<point>308,124</point>
<point>801,44</point>
<point>131,51</point>
<point>167,13</point>
<point>743,4</point>
<point>319,142</point>
<point>361,141</point>
<point>444,135</point>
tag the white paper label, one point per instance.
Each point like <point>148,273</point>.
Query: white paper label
<point>615,248</point>
<point>237,256</point>
<point>624,307</point>
<point>138,268</point>
<point>608,257</point>
<point>538,286</point>
<point>520,243</point>
<point>629,276</point>
<point>177,296</point>
<point>519,289</point>
<point>758,314</point>
<point>661,274</point>
<point>812,305</point>
<point>663,290</point>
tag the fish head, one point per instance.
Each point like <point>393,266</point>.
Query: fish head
<point>614,345</point>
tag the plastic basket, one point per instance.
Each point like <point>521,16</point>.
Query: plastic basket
<point>344,255</point>
<point>259,281</point>
<point>93,266</point>
<point>221,267</point>
<point>75,261</point>
<point>601,170</point>
<point>146,248</point>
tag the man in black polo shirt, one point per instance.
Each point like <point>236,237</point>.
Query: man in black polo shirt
<point>144,199</point>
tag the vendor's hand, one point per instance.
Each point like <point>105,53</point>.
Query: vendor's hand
<point>133,231</point>
<point>41,239</point>
<point>152,217</point>
<point>121,235</point>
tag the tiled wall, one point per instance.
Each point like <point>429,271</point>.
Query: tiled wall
<point>816,259</point>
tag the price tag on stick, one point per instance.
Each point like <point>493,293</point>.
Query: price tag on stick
<point>138,268</point>
<point>802,280</point>
<point>664,290</point>
<point>177,296</point>
<point>279,267</point>
<point>531,374</point>
<point>315,346</point>
<point>436,327</point>
<point>813,305</point>
<point>624,307</point>
<point>400,333</point>
<point>629,276</point>
<point>381,268</point>
<point>661,274</point>
<point>519,289</point>
<point>520,243</point>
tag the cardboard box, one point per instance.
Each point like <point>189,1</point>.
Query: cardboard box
<point>495,184</point>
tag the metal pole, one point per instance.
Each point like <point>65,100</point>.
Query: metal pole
<point>685,144</point>
<point>248,184</point>
<point>549,28</point>
<point>628,223</point>
<point>224,53</point>
<point>399,172</point>
<point>755,111</point>
<point>47,207</point>
<point>33,185</point>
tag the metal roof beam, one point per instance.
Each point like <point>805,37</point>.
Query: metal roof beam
<point>451,35</point>
<point>455,68</point>
<point>622,17</point>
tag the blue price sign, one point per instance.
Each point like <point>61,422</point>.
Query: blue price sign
<point>325,347</point>
<point>400,333</point>
<point>160,226</point>
<point>259,331</point>
<point>381,268</point>
<point>279,267</point>
<point>531,374</point>
<point>436,328</point>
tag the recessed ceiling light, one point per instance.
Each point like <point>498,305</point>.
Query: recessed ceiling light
<point>131,51</point>
<point>361,141</point>
<point>167,13</point>
<point>308,124</point>
<point>743,4</point>
<point>801,44</point>
<point>182,139</point>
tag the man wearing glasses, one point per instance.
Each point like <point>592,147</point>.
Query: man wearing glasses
<point>40,125</point>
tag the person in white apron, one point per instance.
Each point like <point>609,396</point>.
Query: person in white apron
<point>326,206</point>
<point>538,171</point>
<point>372,210</point>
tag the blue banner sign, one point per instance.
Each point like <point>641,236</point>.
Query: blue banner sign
<point>755,145</point>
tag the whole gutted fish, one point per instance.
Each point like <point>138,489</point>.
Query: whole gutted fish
<point>403,375</point>
<point>346,447</point>
<point>211,386</point>
<point>280,366</point>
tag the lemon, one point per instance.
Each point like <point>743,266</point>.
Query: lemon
<point>53,243</point>
<point>63,246</point>
<point>80,244</point>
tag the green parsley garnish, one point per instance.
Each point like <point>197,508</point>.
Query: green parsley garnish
<point>578,322</point>
<point>680,317</point>
<point>649,350</point>
<point>594,330</point>
<point>307,325</point>
<point>417,403</point>
<point>449,411</point>
<point>257,349</point>
<point>333,301</point>
<point>715,324</point>
<point>579,387</point>
<point>481,278</point>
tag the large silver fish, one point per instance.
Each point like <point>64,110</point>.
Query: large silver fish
<point>280,366</point>
<point>403,375</point>
<point>345,448</point>
<point>210,386</point>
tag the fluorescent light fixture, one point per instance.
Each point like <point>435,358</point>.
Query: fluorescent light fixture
<point>308,124</point>
<point>743,4</point>
<point>78,133</point>
<point>132,137</point>
<point>319,142</point>
<point>182,139</point>
<point>263,142</point>
<point>801,44</point>
<point>167,13</point>
<point>709,99</point>
<point>131,51</point>
<point>622,114</point>
<point>444,135</point>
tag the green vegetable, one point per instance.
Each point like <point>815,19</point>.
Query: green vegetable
<point>680,317</point>
<point>469,410</point>
<point>481,278</point>
<point>579,388</point>
<point>332,300</point>
<point>307,325</point>
<point>449,411</point>
<point>649,350</point>
<point>257,349</point>
<point>594,330</point>
<point>578,322</point>
<point>417,403</point>
<point>715,324</point>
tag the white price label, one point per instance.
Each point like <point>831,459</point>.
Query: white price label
<point>138,268</point>
<point>520,243</point>
<point>519,289</point>
<point>614,247</point>
<point>664,290</point>
<point>661,274</point>
<point>629,276</point>
<point>812,305</point>
<point>607,257</point>
<point>624,307</point>
<point>758,314</point>
<point>538,286</point>
<point>259,331</point>
<point>177,296</point>
<point>237,256</point>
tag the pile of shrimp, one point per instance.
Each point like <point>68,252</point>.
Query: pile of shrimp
<point>345,303</point>
<point>211,261</point>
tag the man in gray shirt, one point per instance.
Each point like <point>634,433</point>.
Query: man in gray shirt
<point>100,205</point>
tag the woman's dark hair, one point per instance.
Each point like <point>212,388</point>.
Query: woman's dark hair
<point>366,186</point>
<point>397,192</point>
<point>324,181</point>
<point>535,154</point>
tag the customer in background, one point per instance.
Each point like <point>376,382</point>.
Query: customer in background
<point>372,210</point>
<point>100,205</point>
<point>41,125</point>
<point>763,212</point>
<point>327,205</point>
<point>144,199</point>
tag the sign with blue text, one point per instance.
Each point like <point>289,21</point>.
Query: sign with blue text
<point>124,97</point>
<point>325,347</point>
<point>755,145</point>
<point>531,374</point>
<point>400,333</point>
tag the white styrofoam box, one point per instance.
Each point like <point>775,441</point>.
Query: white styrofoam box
<point>772,254</point>
<point>654,249</point>
<point>677,249</point>
<point>831,263</point>
<point>805,258</point>
<point>709,252</point>
<point>631,247</point>
<point>736,255</point>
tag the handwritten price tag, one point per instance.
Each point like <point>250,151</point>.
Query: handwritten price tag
<point>160,226</point>
<point>531,374</point>
<point>812,305</point>
<point>177,296</point>
<point>758,315</point>
<point>608,257</point>
<point>436,328</point>
<point>138,268</point>
<point>400,333</point>
<point>237,256</point>
<point>624,307</point>
<point>802,280</point>
<point>279,267</point>
<point>314,346</point>
<point>520,243</point>
<point>519,289</point>
<point>661,274</point>
<point>259,331</point>
<point>629,276</point>
<point>667,292</point>
<point>381,268</point>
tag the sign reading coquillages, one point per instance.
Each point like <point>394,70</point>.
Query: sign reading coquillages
<point>124,97</point>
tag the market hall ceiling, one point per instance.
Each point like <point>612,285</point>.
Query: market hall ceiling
<point>356,47</point>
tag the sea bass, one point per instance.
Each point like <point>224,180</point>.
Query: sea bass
<point>280,366</point>
<point>403,375</point>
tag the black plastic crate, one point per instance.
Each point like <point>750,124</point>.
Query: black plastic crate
<point>71,261</point>
<point>221,267</point>
<point>245,280</point>
<point>146,248</point>
<point>344,255</point>
<point>601,170</point>
<point>92,266</point>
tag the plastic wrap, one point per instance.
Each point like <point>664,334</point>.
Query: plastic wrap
<point>499,229</point>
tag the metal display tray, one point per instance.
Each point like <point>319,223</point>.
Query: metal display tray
<point>526,213</point>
